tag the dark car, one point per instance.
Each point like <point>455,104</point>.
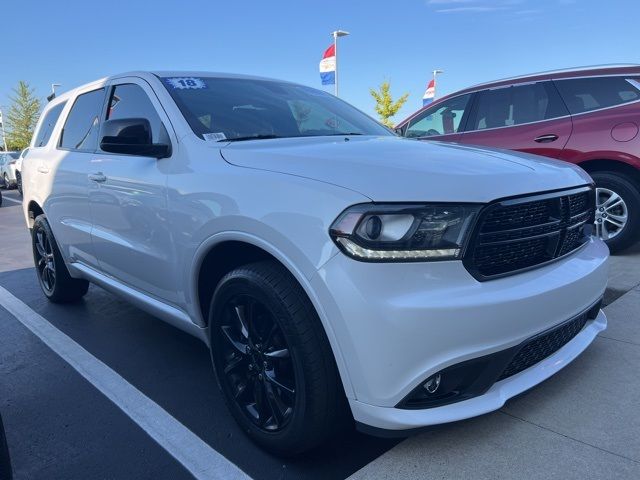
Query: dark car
<point>586,116</point>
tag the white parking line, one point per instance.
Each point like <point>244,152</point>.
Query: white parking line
<point>19,202</point>
<point>187,448</point>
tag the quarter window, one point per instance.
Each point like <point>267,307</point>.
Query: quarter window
<point>586,94</point>
<point>130,101</point>
<point>46,127</point>
<point>80,131</point>
<point>517,105</point>
<point>442,119</point>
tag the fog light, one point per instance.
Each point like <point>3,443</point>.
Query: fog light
<point>433,383</point>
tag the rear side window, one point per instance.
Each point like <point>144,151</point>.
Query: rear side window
<point>517,105</point>
<point>586,94</point>
<point>80,131</point>
<point>48,122</point>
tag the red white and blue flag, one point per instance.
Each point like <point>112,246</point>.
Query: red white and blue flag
<point>328,66</point>
<point>427,98</point>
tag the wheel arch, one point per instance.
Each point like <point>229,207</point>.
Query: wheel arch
<point>616,166</point>
<point>33,210</point>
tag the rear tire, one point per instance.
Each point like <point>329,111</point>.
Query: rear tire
<point>258,312</point>
<point>53,276</point>
<point>608,185</point>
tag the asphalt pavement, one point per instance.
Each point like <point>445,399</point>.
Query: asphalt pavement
<point>102,390</point>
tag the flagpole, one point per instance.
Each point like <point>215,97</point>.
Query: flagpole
<point>336,34</point>
<point>435,83</point>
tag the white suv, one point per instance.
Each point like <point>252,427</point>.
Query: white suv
<point>334,269</point>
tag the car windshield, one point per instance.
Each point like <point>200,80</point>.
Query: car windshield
<point>13,154</point>
<point>234,109</point>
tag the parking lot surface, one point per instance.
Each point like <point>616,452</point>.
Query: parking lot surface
<point>100,389</point>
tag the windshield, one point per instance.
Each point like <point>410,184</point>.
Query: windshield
<point>221,109</point>
<point>13,154</point>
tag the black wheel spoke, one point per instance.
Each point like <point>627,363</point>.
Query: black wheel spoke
<point>242,320</point>
<point>282,353</point>
<point>271,378</point>
<point>235,362</point>
<point>258,395</point>
<point>278,409</point>
<point>239,346</point>
<point>40,245</point>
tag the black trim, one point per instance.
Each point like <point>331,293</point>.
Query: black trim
<point>474,377</point>
<point>468,254</point>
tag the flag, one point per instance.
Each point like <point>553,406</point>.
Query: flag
<point>328,66</point>
<point>429,93</point>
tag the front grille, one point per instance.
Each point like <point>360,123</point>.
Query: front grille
<point>514,235</point>
<point>544,345</point>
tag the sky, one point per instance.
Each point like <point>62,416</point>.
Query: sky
<point>72,42</point>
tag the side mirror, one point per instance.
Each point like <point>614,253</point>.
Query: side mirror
<point>399,131</point>
<point>131,136</point>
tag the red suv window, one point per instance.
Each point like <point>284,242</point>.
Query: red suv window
<point>586,94</point>
<point>517,105</point>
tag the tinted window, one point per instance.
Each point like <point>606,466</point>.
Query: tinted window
<point>46,127</point>
<point>14,154</point>
<point>131,101</point>
<point>80,131</point>
<point>238,108</point>
<point>516,105</point>
<point>585,94</point>
<point>441,119</point>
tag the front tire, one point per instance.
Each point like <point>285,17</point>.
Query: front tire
<point>19,182</point>
<point>273,361</point>
<point>617,210</point>
<point>54,278</point>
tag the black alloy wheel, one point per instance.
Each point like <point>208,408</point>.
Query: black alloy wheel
<point>257,363</point>
<point>45,261</point>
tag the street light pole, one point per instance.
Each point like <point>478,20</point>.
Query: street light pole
<point>336,34</point>
<point>4,137</point>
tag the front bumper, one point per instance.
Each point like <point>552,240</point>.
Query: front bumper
<point>399,323</point>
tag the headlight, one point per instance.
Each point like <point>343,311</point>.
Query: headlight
<point>401,233</point>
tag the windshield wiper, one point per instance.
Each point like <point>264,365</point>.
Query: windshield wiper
<point>249,137</point>
<point>343,133</point>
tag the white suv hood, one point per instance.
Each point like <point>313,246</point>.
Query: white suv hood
<point>397,169</point>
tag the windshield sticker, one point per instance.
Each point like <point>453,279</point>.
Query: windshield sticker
<point>185,83</point>
<point>214,137</point>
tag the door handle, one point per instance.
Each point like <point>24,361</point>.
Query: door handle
<point>98,177</point>
<point>43,170</point>
<point>546,138</point>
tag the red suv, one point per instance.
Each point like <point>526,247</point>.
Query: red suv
<point>586,116</point>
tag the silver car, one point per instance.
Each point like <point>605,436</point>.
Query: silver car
<point>8,168</point>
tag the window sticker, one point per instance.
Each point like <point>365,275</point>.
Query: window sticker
<point>186,83</point>
<point>214,137</point>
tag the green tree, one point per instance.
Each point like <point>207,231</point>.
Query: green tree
<point>22,116</point>
<point>385,106</point>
